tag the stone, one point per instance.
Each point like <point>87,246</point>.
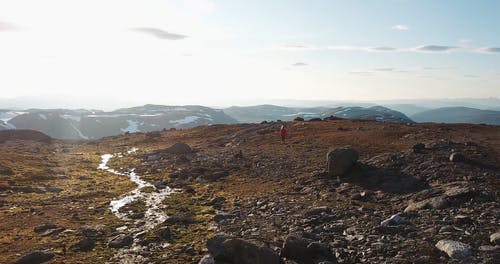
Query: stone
<point>454,249</point>
<point>207,259</point>
<point>35,257</point>
<point>495,238</point>
<point>121,241</point>
<point>418,148</point>
<point>160,185</point>
<point>306,251</point>
<point>234,250</point>
<point>341,160</point>
<point>44,227</point>
<point>439,202</point>
<point>393,220</point>
<point>164,233</point>
<point>298,118</point>
<point>85,244</point>
<point>179,148</point>
<point>182,218</point>
<point>457,157</point>
<point>317,211</point>
<point>92,231</point>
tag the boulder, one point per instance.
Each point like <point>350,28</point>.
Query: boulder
<point>298,118</point>
<point>44,227</point>
<point>92,231</point>
<point>179,148</point>
<point>418,148</point>
<point>457,157</point>
<point>439,202</point>
<point>223,216</point>
<point>306,251</point>
<point>35,257</point>
<point>121,241</point>
<point>207,259</point>
<point>317,211</point>
<point>235,250</point>
<point>85,244</point>
<point>341,160</point>
<point>454,249</point>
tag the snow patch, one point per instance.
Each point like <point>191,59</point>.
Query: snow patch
<point>42,116</point>
<point>185,120</point>
<point>133,126</point>
<point>7,116</point>
<point>71,117</point>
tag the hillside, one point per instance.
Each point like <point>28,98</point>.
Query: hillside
<point>458,115</point>
<point>92,124</point>
<point>146,198</point>
<point>255,114</point>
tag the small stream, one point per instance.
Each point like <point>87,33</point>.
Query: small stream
<point>153,215</point>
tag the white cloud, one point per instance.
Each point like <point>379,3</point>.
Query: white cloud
<point>400,28</point>
<point>494,50</point>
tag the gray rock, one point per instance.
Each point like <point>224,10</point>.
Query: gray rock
<point>160,185</point>
<point>179,148</point>
<point>454,249</point>
<point>439,202</point>
<point>341,160</point>
<point>121,241</point>
<point>44,227</point>
<point>85,244</point>
<point>393,220</point>
<point>92,231</point>
<point>495,238</point>
<point>306,251</point>
<point>457,157</point>
<point>35,257</point>
<point>317,211</point>
<point>235,250</point>
<point>207,259</point>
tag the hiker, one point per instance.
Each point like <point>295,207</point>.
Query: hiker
<point>283,133</point>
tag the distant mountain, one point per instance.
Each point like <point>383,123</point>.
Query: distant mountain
<point>259,113</point>
<point>92,124</point>
<point>459,115</point>
<point>407,109</point>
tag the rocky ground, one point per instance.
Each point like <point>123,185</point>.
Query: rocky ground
<point>425,193</point>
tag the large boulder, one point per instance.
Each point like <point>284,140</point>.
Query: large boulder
<point>306,251</point>
<point>234,250</point>
<point>341,160</point>
<point>179,148</point>
<point>454,249</point>
<point>35,257</point>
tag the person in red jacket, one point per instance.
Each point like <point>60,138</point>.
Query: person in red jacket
<point>283,133</point>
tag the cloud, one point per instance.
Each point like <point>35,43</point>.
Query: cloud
<point>161,34</point>
<point>435,48</point>
<point>4,26</point>
<point>400,27</point>
<point>489,50</point>
<point>300,64</point>
<point>384,69</point>
<point>362,73</point>
<point>471,76</point>
<point>382,49</point>
<point>296,47</point>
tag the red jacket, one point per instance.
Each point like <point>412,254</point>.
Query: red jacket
<point>283,132</point>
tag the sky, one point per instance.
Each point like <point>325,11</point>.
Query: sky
<point>228,51</point>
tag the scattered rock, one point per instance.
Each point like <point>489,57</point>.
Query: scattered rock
<point>393,220</point>
<point>35,257</point>
<point>317,211</point>
<point>121,241</point>
<point>454,249</point>
<point>495,238</point>
<point>341,160</point>
<point>306,251</point>
<point>439,202</point>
